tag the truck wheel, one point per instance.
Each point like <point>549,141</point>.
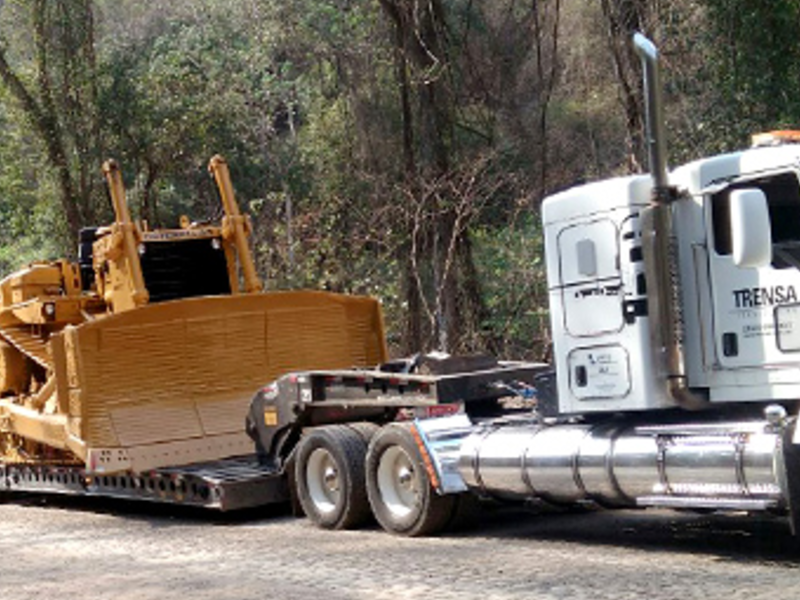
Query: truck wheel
<point>400,492</point>
<point>329,475</point>
<point>365,429</point>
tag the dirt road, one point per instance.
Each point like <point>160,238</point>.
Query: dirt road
<point>80,549</point>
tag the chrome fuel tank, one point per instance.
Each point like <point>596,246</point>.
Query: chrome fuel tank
<point>728,465</point>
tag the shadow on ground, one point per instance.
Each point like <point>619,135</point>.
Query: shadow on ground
<point>735,537</point>
<point>137,509</point>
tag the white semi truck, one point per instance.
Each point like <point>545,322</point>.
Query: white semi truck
<point>676,379</point>
<point>676,326</point>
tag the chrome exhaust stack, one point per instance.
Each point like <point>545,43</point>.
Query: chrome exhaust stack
<point>659,246</point>
<point>654,110</point>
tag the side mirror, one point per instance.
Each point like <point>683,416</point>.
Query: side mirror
<point>751,235</point>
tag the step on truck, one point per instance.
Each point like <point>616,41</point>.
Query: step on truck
<point>675,382</point>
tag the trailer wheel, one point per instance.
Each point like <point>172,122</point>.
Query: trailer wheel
<point>365,429</point>
<point>400,492</point>
<point>329,475</point>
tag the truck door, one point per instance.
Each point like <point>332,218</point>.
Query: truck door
<point>753,307</point>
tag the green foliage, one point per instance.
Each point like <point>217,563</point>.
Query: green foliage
<point>510,262</point>
<point>756,59</point>
<point>429,205</point>
<point>177,94</point>
<point>27,221</point>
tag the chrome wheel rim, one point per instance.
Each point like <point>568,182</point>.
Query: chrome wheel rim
<point>322,480</point>
<point>398,482</point>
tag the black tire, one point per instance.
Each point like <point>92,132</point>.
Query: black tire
<point>365,429</point>
<point>329,477</point>
<point>399,488</point>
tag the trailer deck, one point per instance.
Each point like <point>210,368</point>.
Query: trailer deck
<point>222,485</point>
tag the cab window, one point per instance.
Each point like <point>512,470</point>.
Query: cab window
<point>783,198</point>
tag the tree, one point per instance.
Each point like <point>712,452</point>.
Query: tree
<point>59,98</point>
<point>398,148</point>
<point>755,52</point>
<point>623,18</point>
<point>456,66</point>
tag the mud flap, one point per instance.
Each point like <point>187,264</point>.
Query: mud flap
<point>790,472</point>
<point>291,481</point>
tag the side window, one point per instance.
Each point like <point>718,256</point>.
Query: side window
<point>783,196</point>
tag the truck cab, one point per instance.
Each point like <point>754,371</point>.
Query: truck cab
<point>735,247</point>
<point>744,308</point>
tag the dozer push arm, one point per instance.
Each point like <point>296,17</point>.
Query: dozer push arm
<point>126,232</point>
<point>234,224</point>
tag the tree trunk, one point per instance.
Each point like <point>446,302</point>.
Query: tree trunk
<point>624,18</point>
<point>421,48</point>
<point>62,32</point>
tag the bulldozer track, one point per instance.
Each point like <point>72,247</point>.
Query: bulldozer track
<point>27,342</point>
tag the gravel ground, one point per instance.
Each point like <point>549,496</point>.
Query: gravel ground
<point>79,548</point>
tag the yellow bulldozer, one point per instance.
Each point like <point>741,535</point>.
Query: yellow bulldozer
<point>146,352</point>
